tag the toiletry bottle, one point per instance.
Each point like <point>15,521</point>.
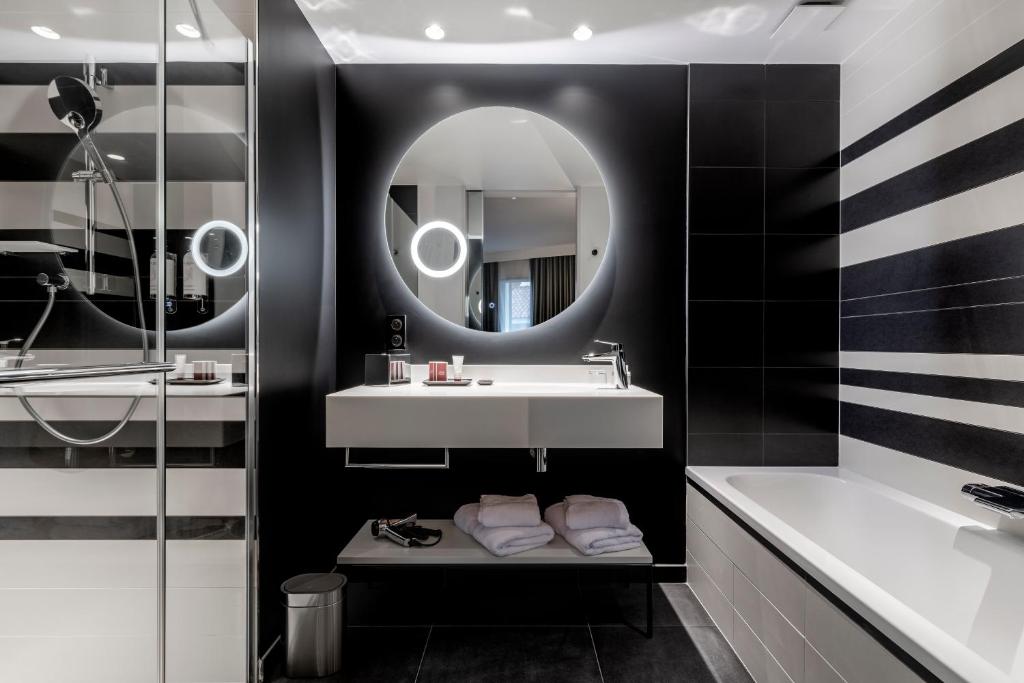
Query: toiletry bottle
<point>172,275</point>
<point>194,284</point>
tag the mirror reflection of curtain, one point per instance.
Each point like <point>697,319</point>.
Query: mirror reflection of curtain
<point>554,285</point>
<point>491,320</point>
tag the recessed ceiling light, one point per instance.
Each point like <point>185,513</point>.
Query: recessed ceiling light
<point>188,30</point>
<point>45,32</point>
<point>520,12</point>
<point>582,32</point>
<point>115,157</point>
<point>434,32</point>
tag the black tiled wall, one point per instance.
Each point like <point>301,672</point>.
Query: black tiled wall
<point>763,309</point>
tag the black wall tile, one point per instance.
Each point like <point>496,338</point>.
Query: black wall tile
<point>788,215</point>
<point>725,400</point>
<point>801,401</point>
<point>727,133</point>
<point>801,334</point>
<point>726,267</point>
<point>801,450</point>
<point>802,82</point>
<point>740,450</point>
<point>728,200</point>
<point>802,134</point>
<point>727,82</point>
<point>801,268</point>
<point>802,201</point>
<point>725,334</point>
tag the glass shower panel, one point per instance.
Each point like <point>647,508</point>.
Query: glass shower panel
<point>80,580</point>
<point>209,68</point>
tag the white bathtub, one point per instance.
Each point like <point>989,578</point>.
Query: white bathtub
<point>947,589</point>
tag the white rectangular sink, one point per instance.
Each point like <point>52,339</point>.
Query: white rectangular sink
<point>507,414</point>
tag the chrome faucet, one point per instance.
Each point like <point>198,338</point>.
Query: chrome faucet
<point>616,358</point>
<point>6,343</point>
<point>1005,500</point>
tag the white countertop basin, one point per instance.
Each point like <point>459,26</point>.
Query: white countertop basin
<point>507,414</point>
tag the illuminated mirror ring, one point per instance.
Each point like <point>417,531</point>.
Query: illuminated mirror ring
<point>414,248</point>
<point>200,259</point>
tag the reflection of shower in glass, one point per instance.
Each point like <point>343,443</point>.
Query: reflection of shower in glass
<point>76,106</point>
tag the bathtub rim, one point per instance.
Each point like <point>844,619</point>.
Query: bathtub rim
<point>926,649</point>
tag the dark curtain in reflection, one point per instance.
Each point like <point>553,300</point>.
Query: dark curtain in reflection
<point>491,322</point>
<point>553,280</point>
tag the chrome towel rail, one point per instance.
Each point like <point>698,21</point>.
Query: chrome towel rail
<point>20,375</point>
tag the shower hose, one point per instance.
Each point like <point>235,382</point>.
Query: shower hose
<point>51,291</point>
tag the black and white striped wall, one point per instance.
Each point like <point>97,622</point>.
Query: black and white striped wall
<point>932,245</point>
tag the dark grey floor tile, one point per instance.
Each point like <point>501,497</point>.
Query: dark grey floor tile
<point>374,655</point>
<point>626,605</point>
<point>671,655</point>
<point>684,605</point>
<point>500,654</point>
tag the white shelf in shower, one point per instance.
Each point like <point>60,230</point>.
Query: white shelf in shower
<point>33,247</point>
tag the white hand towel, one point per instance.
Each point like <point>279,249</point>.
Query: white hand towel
<point>498,511</point>
<point>502,541</point>
<point>592,541</point>
<point>590,512</point>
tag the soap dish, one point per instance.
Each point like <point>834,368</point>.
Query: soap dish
<point>465,382</point>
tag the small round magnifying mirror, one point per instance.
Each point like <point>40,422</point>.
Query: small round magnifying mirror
<point>220,248</point>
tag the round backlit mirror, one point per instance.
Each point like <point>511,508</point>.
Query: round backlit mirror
<point>497,219</point>
<point>219,248</point>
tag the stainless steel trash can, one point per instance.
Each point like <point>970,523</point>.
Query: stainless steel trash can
<point>315,605</point>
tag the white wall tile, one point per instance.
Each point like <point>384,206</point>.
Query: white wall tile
<point>816,669</point>
<point>944,45</point>
<point>987,110</point>
<point>78,564</point>
<point>102,492</point>
<point>779,636</point>
<point>206,611</point>
<point>205,659</point>
<point>762,666</point>
<point>206,492</point>
<point>78,660</point>
<point>715,604</point>
<point>81,612</point>
<point>999,204</point>
<point>206,564</point>
<point>717,566</point>
<point>853,653</point>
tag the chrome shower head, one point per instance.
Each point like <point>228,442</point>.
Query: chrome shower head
<point>74,103</point>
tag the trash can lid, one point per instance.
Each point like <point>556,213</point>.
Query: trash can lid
<point>313,590</point>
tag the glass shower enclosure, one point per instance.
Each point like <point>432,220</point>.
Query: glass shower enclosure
<point>126,328</point>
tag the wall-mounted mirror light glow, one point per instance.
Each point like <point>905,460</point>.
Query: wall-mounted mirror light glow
<point>460,240</point>
<point>220,248</point>
<point>527,216</point>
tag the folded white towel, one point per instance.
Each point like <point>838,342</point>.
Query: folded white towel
<point>592,541</point>
<point>502,541</point>
<point>590,512</point>
<point>509,511</point>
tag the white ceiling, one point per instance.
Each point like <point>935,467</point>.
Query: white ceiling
<point>499,148</point>
<point>122,30</point>
<point>625,31</point>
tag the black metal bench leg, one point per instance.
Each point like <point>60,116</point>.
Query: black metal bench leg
<point>650,602</point>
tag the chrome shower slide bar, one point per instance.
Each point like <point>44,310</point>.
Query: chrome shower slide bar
<point>80,372</point>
